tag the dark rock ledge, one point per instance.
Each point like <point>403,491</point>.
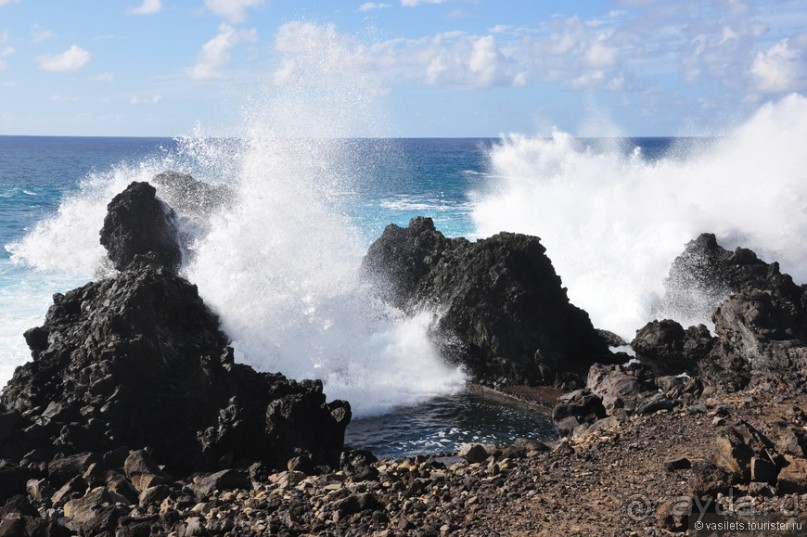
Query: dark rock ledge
<point>503,312</point>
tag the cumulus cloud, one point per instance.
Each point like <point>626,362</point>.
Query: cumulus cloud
<point>469,61</point>
<point>233,11</point>
<point>370,6</point>
<point>577,53</point>
<point>148,7</point>
<point>743,46</point>
<point>73,59</point>
<point>215,54</point>
<point>40,34</point>
<point>778,68</point>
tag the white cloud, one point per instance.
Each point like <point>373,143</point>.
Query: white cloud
<point>601,56</point>
<point>73,59</point>
<point>233,11</point>
<point>40,34</point>
<point>313,51</point>
<point>154,99</point>
<point>215,54</point>
<point>148,7</point>
<point>778,68</point>
<point>370,6</point>
<point>456,59</point>
<point>500,28</point>
<point>413,3</point>
<point>6,2</point>
<point>104,77</point>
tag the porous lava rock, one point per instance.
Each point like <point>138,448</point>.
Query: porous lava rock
<point>502,310</point>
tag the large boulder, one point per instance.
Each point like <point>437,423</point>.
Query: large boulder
<point>668,349</point>
<point>140,227</point>
<point>619,386</point>
<point>503,312</point>
<point>138,360</point>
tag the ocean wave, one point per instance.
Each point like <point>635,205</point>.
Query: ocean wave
<point>613,220</point>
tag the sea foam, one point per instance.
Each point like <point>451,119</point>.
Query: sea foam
<point>280,262</point>
<point>613,221</point>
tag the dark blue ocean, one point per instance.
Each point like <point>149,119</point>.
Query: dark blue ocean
<point>280,265</point>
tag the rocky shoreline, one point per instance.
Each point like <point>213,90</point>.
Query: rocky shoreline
<point>132,419</point>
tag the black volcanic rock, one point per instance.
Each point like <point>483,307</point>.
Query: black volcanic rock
<point>138,360</point>
<point>668,349</point>
<point>139,226</point>
<point>706,273</point>
<point>760,318</point>
<point>503,311</point>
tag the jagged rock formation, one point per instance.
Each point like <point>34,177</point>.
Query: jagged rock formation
<point>140,228</point>
<point>760,324</point>
<point>503,312</point>
<point>138,360</point>
<point>706,273</point>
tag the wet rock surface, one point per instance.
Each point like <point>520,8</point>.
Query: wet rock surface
<point>132,384</point>
<point>760,323</point>
<point>134,420</point>
<point>503,312</point>
<point>140,227</point>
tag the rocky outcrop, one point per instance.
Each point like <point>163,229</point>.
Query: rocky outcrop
<point>668,349</point>
<point>760,322</point>
<point>503,312</point>
<point>140,227</point>
<point>706,273</point>
<point>138,361</point>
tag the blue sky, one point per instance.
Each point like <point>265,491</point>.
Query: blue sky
<point>395,67</point>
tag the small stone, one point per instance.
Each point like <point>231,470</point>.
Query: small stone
<point>763,490</point>
<point>284,480</point>
<point>38,489</point>
<point>763,470</point>
<point>678,463</point>
<point>153,496</point>
<point>473,453</point>
<point>793,477</point>
<point>74,487</point>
